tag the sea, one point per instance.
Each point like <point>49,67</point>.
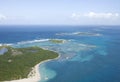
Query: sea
<point>88,53</point>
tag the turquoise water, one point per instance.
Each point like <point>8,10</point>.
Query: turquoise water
<point>70,51</point>
<point>83,57</point>
<point>3,50</point>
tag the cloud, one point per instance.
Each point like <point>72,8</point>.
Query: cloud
<point>101,15</point>
<point>2,17</point>
<point>94,15</point>
<point>76,16</point>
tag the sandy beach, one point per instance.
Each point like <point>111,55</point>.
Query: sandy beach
<point>34,75</point>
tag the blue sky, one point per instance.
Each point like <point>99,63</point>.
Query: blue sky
<point>59,12</point>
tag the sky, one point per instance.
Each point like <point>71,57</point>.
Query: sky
<point>59,12</point>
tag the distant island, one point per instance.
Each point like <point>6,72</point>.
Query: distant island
<point>57,41</point>
<point>17,63</point>
<point>80,34</point>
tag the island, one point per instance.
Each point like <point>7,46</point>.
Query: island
<point>57,40</point>
<point>79,34</point>
<point>17,63</point>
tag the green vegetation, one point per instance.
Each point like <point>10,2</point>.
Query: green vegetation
<point>56,41</point>
<point>16,63</point>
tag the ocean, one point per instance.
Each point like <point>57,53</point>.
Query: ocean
<point>88,54</point>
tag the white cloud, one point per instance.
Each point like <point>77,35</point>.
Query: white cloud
<point>75,15</point>
<point>94,15</point>
<point>2,17</point>
<point>101,15</point>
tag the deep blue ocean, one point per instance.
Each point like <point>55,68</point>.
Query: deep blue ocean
<point>88,54</point>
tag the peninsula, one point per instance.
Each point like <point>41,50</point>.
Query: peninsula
<point>17,63</point>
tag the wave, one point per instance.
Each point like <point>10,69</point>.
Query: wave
<point>87,45</point>
<point>5,44</point>
<point>33,41</point>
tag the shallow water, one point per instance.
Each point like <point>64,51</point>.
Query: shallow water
<point>3,50</point>
<point>82,58</point>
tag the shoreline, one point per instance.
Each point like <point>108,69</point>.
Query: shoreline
<point>34,75</point>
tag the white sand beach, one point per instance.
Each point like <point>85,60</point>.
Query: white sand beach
<point>34,75</point>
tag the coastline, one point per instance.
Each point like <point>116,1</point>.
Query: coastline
<point>34,75</point>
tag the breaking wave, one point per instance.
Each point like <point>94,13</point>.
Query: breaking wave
<point>33,41</point>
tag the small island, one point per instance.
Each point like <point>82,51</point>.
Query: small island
<point>17,63</point>
<point>86,34</point>
<point>80,34</point>
<point>57,41</point>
